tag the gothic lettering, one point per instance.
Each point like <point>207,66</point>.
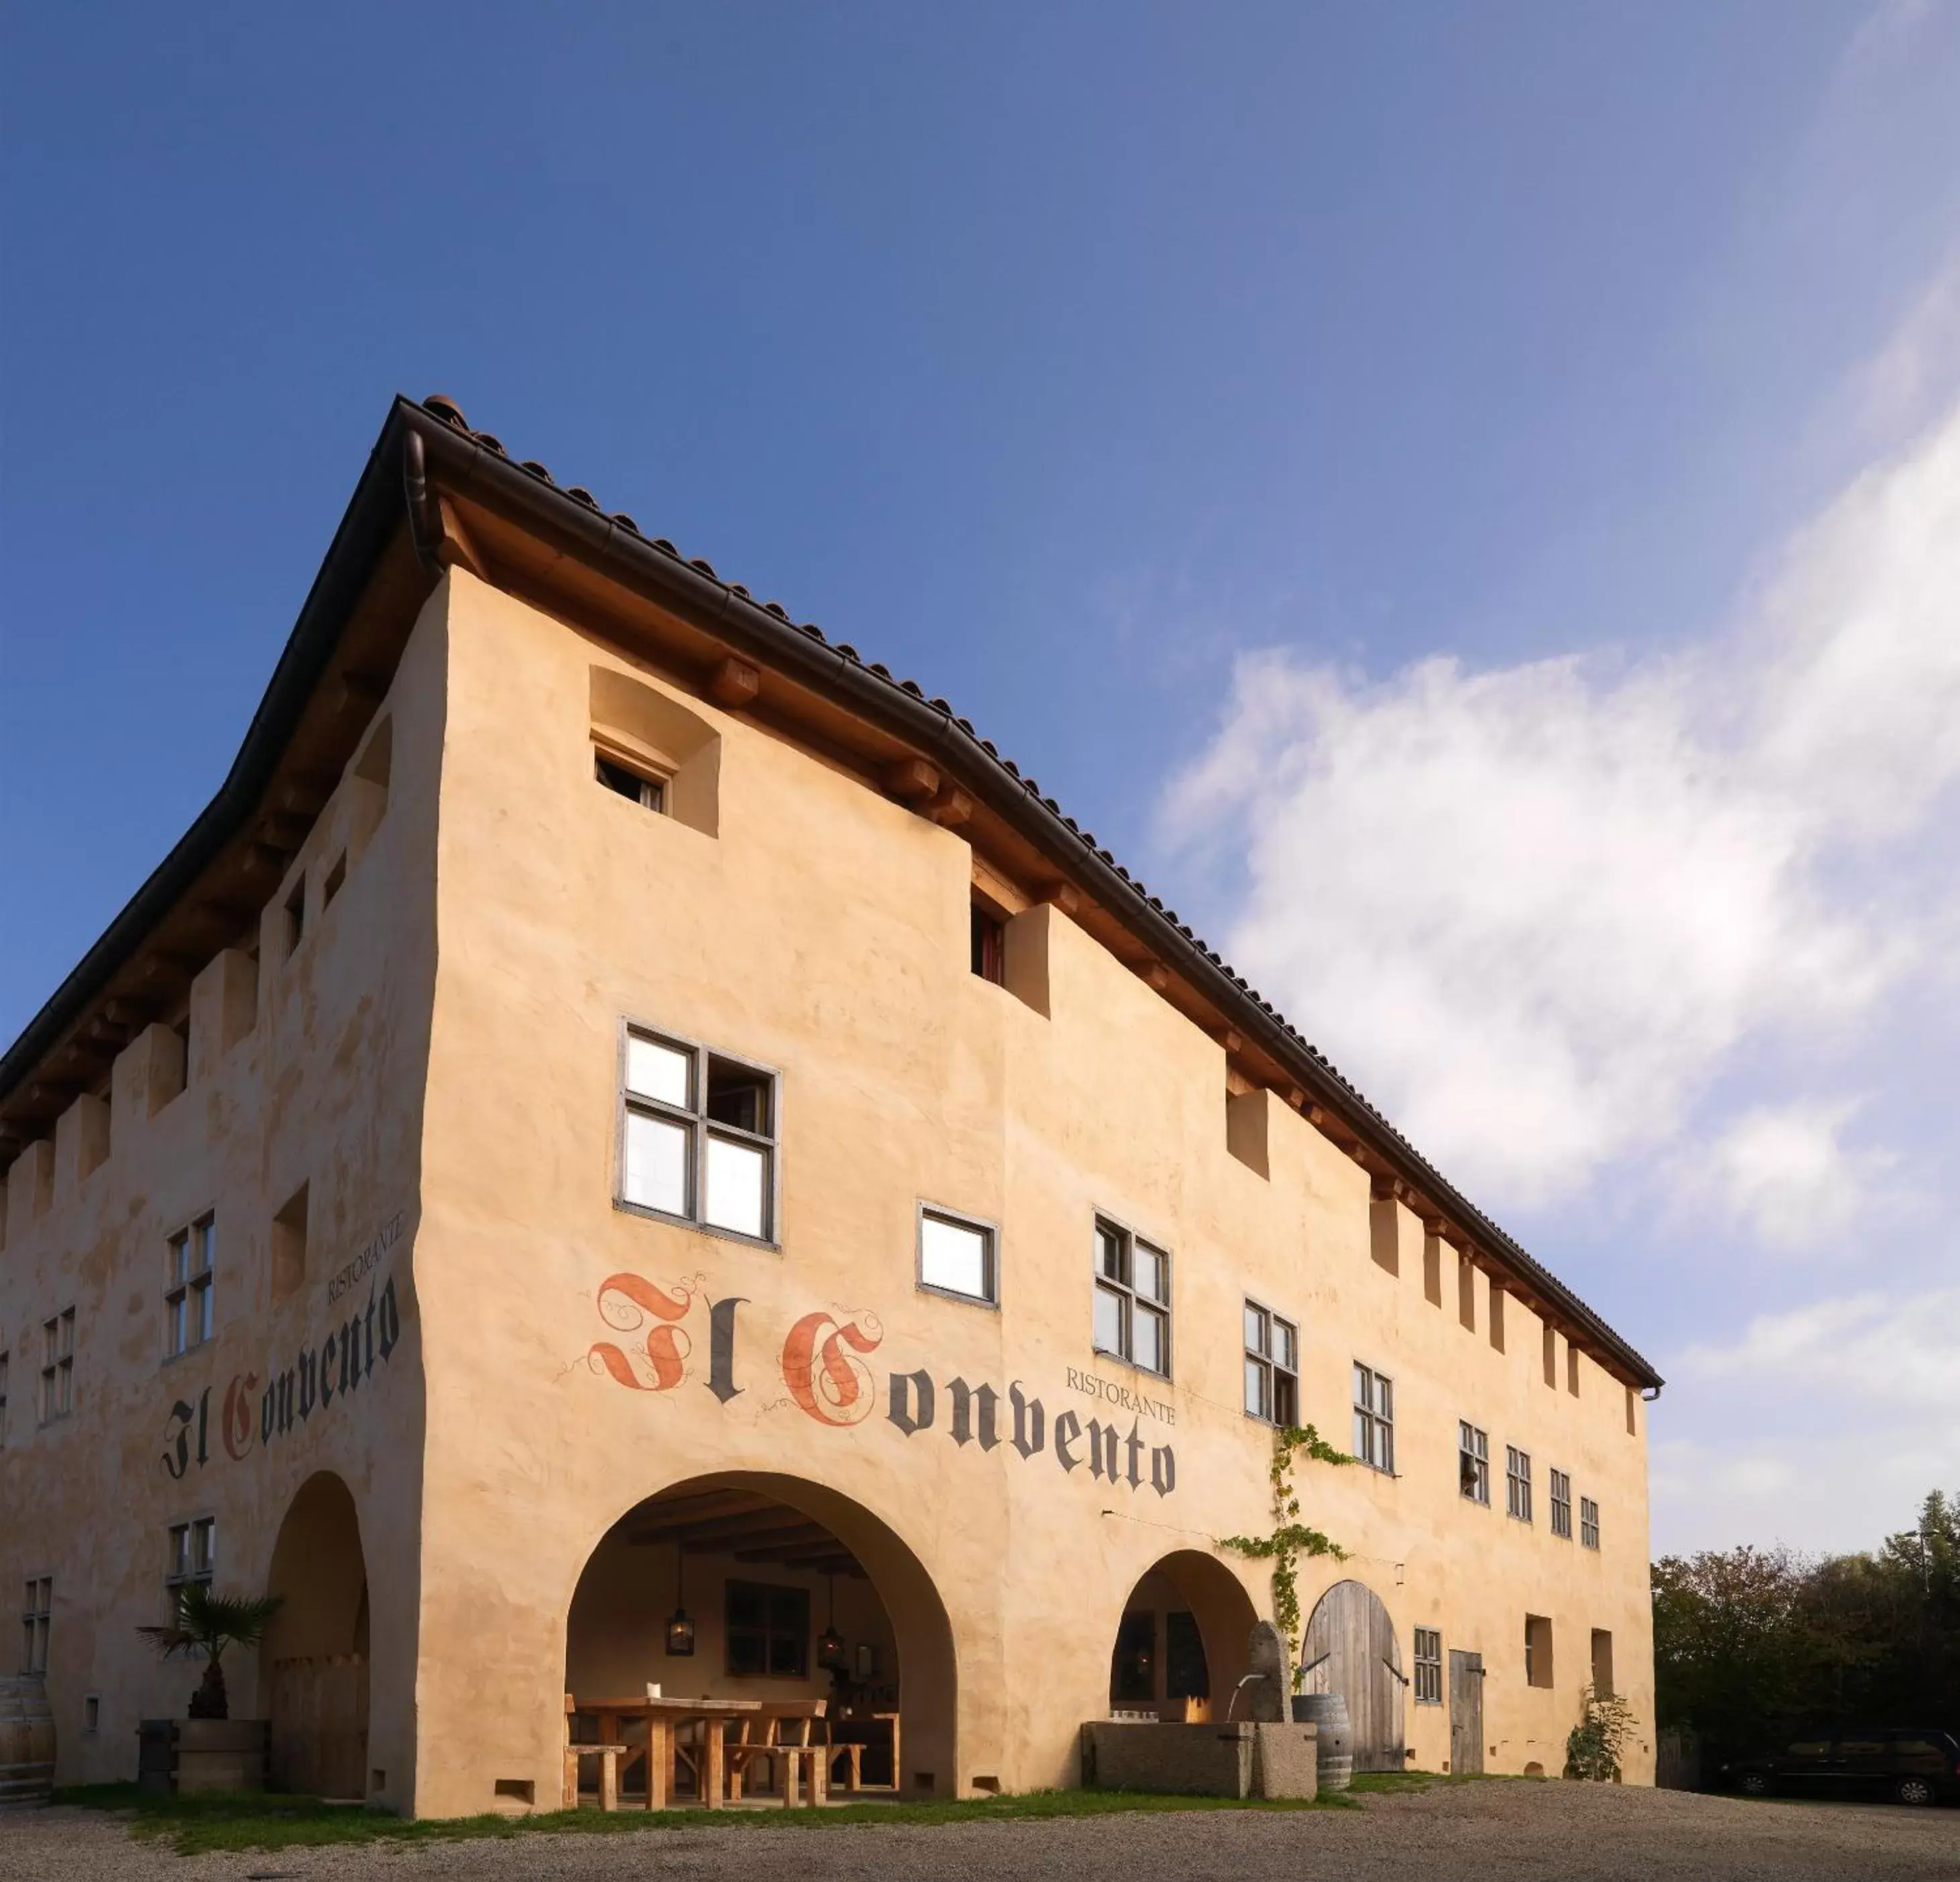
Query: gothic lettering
<point>628,1303</point>
<point>721,1348</point>
<point>1029,1421</point>
<point>1067,1427</point>
<point>830,1384</point>
<point>904,1385</point>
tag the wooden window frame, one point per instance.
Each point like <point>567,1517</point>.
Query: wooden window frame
<point>57,1399</point>
<point>1473,1463</point>
<point>990,1235</point>
<point>1561,1504</point>
<point>701,1130</point>
<point>1124,1289</point>
<point>654,791</point>
<point>1263,1361</point>
<point>187,1288</point>
<point>1374,1429</point>
<point>1517,1484</point>
<point>1589,1523</point>
<point>1427,1685</point>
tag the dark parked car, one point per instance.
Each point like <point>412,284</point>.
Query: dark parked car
<point>1913,1765</point>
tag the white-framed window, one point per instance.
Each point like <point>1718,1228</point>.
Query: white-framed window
<point>650,793</point>
<point>192,1555</point>
<point>187,1287</point>
<point>1561,1505</point>
<point>1589,1523</point>
<point>58,1366</point>
<point>37,1609</point>
<point>1374,1419</point>
<point>1473,1463</point>
<point>959,1256</point>
<point>1429,1666</point>
<point>1132,1301</point>
<point>1272,1366</point>
<point>698,1136</point>
<point>1517,1483</point>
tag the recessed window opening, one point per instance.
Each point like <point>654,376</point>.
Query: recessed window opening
<point>1473,1463</point>
<point>1132,1303</point>
<point>289,1243</point>
<point>1272,1366</point>
<point>58,1366</point>
<point>1602,1662</point>
<point>1537,1651</point>
<point>296,917</point>
<point>1375,1419</point>
<point>1517,1483</point>
<point>650,793</point>
<point>699,1136</point>
<point>1429,1666</point>
<point>523,1789</point>
<point>1561,1505</point>
<point>193,1559</point>
<point>989,934</point>
<point>91,1713</point>
<point>335,876</point>
<point>957,1256</point>
<point>188,1280</point>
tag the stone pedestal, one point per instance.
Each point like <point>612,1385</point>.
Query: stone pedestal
<point>187,1755</point>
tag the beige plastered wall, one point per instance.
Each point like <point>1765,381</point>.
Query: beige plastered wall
<point>822,931</point>
<point>302,1069</point>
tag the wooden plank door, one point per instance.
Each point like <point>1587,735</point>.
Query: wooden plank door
<point>1466,1712</point>
<point>1351,1648</point>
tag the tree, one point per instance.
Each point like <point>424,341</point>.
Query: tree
<point>208,1623</point>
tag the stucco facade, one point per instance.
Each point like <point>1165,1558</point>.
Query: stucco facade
<point>468,1326</point>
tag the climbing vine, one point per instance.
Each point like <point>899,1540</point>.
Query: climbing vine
<point>1291,1538</point>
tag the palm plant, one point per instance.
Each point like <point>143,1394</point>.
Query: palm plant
<point>208,1623</point>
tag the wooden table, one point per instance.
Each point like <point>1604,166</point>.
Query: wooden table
<point>664,1716</point>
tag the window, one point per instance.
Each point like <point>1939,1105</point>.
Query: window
<point>1473,1463</point>
<point>36,1611</point>
<point>990,946</point>
<point>1561,1505</point>
<point>58,1366</point>
<point>768,1631</point>
<point>1517,1483</point>
<point>1429,1666</point>
<point>956,1257</point>
<point>1132,1299</point>
<point>700,1137</point>
<point>1602,1662</point>
<point>1272,1366</point>
<point>91,1713</point>
<point>1537,1651</point>
<point>649,793</point>
<point>193,1554</point>
<point>187,1279</point>
<point>1589,1523</point>
<point>1375,1419</point>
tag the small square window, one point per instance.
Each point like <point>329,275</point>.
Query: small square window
<point>650,793</point>
<point>957,1256</point>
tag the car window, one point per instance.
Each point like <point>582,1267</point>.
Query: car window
<point>1863,1747</point>
<point>1917,1748</point>
<point>1809,1748</point>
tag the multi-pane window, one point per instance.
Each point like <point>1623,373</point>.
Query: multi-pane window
<point>1588,1522</point>
<point>767,1631</point>
<point>36,1611</point>
<point>58,1366</point>
<point>700,1137</point>
<point>187,1283</point>
<point>1132,1299</point>
<point>1429,1666</point>
<point>1517,1483</point>
<point>1375,1419</point>
<point>956,1257</point>
<point>650,793</point>
<point>1473,1463</point>
<point>1561,1505</point>
<point>193,1554</point>
<point>1272,1366</point>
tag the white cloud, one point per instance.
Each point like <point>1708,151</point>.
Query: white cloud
<point>1785,1170</point>
<point>1541,906</point>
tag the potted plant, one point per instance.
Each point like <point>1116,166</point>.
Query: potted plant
<point>209,1750</point>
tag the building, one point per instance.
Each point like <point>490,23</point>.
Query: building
<point>620,1106</point>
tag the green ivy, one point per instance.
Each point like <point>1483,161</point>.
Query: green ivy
<point>1290,1538</point>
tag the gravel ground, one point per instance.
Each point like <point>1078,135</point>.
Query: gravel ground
<point>1493,1833</point>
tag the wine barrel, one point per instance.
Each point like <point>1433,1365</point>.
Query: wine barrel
<point>1328,1712</point>
<point>26,1742</point>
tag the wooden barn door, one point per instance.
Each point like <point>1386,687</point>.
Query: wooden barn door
<point>1466,1712</point>
<point>1350,1649</point>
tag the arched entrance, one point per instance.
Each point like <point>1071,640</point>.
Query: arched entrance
<point>1350,1649</point>
<point>795,1594</point>
<point>313,1662</point>
<point>1180,1650</point>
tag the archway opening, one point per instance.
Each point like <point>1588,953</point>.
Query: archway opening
<point>313,1678</point>
<point>1181,1645</point>
<point>1349,1648</point>
<point>794,1596</point>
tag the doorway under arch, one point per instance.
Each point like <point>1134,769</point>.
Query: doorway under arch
<point>795,1592</point>
<point>1181,1645</point>
<point>1351,1648</point>
<point>313,1661</point>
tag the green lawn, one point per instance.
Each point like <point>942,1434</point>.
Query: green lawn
<point>254,1820</point>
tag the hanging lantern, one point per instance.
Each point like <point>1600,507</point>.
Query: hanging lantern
<point>680,1628</point>
<point>830,1643</point>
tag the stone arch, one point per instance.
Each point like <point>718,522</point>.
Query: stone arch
<point>1349,1648</point>
<point>312,1678</point>
<point>826,1542</point>
<point>1192,1617</point>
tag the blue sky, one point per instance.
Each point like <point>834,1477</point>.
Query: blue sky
<point>1466,499</point>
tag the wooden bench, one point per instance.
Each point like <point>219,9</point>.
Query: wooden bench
<point>608,1757</point>
<point>783,1733</point>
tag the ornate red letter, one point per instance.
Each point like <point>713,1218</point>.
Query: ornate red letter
<point>826,1382</point>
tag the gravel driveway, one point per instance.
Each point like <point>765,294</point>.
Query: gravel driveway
<point>1493,1833</point>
